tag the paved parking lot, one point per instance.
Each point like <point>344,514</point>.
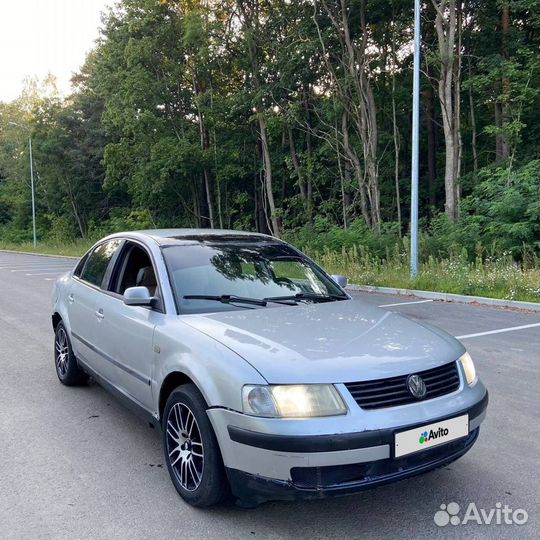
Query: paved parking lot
<point>76,464</point>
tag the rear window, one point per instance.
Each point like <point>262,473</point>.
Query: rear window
<point>98,261</point>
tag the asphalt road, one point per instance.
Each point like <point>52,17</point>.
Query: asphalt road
<point>74,463</point>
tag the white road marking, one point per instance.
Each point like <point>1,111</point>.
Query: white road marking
<point>405,303</point>
<point>57,268</point>
<point>46,274</point>
<point>31,265</point>
<point>499,331</point>
<point>50,278</point>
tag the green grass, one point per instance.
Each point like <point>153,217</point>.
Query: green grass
<point>75,249</point>
<point>498,277</point>
<point>494,278</point>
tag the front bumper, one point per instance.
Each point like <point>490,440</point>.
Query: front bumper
<point>264,462</point>
<point>337,480</point>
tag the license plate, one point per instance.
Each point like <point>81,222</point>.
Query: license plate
<point>431,435</point>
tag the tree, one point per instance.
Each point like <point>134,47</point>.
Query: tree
<point>448,19</point>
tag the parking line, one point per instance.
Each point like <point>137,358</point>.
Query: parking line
<point>405,303</point>
<point>499,331</point>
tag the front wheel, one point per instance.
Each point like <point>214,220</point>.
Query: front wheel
<point>191,449</point>
<point>67,368</point>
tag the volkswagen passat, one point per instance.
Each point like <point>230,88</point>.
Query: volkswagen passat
<point>265,377</point>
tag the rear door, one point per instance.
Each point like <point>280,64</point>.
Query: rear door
<point>83,295</point>
<point>125,333</point>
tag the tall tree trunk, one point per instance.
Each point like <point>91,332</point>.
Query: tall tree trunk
<point>395,131</point>
<point>432,145</point>
<point>367,119</point>
<point>355,93</point>
<point>309,152</point>
<point>297,168</point>
<point>504,147</point>
<point>267,160</point>
<point>458,145</point>
<point>203,136</point>
<point>432,140</point>
<point>346,194</point>
<point>446,25</point>
<point>344,181</point>
<point>473,119</point>
<point>196,206</point>
<point>355,162</point>
<point>75,210</point>
<point>250,15</point>
<point>216,169</point>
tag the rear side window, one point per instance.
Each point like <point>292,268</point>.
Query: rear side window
<point>98,261</point>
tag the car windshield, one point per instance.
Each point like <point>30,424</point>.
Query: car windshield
<point>210,277</point>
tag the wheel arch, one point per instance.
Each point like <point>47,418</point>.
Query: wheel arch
<point>56,318</point>
<point>172,381</point>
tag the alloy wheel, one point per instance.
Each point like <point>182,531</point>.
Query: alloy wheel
<point>184,446</point>
<point>62,351</point>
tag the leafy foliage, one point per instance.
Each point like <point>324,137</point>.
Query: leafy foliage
<point>164,128</point>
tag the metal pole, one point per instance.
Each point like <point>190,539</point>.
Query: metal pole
<point>33,196</point>
<point>415,136</point>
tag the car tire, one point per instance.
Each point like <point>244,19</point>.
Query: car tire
<point>66,365</point>
<point>191,449</point>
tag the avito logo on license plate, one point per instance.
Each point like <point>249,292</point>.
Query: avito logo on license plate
<point>426,437</point>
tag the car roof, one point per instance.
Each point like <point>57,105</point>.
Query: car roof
<point>182,236</point>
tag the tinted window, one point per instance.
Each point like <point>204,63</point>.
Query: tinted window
<point>98,260</point>
<point>80,266</point>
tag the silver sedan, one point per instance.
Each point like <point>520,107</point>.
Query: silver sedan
<point>265,378</point>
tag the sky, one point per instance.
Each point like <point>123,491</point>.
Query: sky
<point>38,37</point>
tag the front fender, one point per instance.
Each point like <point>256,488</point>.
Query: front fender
<point>216,370</point>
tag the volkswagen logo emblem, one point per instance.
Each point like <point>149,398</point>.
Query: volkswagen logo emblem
<point>417,386</point>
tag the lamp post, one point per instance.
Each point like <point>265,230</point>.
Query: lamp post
<point>415,136</point>
<point>31,186</point>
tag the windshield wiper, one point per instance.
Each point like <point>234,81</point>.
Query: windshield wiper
<point>227,299</point>
<point>231,298</point>
<point>315,297</point>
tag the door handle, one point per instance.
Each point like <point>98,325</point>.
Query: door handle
<point>71,298</point>
<point>99,314</point>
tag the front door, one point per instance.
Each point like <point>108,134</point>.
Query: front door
<point>126,332</point>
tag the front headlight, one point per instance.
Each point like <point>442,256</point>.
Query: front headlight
<point>292,400</point>
<point>468,368</point>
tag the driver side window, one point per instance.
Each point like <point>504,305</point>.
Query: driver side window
<point>135,270</point>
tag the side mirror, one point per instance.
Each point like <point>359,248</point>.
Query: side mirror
<point>137,296</point>
<point>340,280</point>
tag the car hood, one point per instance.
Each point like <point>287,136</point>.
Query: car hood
<point>341,341</point>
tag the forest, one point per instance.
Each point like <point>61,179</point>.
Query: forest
<point>293,118</point>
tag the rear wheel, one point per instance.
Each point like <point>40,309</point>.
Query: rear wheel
<point>67,368</point>
<point>191,449</point>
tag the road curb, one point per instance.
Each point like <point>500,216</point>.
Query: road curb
<point>38,254</point>
<point>449,297</point>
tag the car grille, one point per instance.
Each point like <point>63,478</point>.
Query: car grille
<point>393,391</point>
